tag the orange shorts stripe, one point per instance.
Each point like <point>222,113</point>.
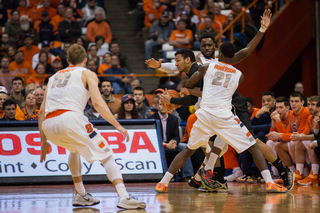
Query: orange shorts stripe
<point>56,113</point>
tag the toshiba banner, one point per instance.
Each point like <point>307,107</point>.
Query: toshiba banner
<point>20,154</point>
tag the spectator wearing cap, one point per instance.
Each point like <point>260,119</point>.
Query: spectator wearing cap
<point>215,24</point>
<point>45,28</point>
<point>128,109</point>
<point>114,104</point>
<point>13,25</point>
<point>29,49</point>
<point>3,98</point>
<point>99,27</point>
<point>68,28</point>
<point>4,70</point>
<point>46,7</point>
<point>56,65</point>
<point>92,113</point>
<point>16,94</point>
<point>9,110</point>
<point>19,65</point>
<point>118,82</point>
<point>26,30</point>
<point>153,13</point>
<point>159,34</point>
<point>89,12</point>
<point>182,37</point>
<point>45,47</point>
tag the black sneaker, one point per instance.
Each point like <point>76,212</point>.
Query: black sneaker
<point>288,178</point>
<point>206,176</point>
<point>193,183</point>
<point>255,178</point>
<point>218,186</point>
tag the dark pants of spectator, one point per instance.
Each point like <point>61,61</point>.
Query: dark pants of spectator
<point>317,151</point>
<point>247,162</point>
<point>150,46</point>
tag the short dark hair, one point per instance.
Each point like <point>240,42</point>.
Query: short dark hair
<point>8,103</point>
<point>46,80</point>
<point>113,42</point>
<point>284,100</point>
<point>182,21</point>
<point>138,88</point>
<point>268,93</point>
<point>97,38</point>
<point>248,99</point>
<point>105,80</point>
<point>207,36</point>
<point>186,53</point>
<point>12,11</point>
<point>17,78</point>
<point>297,94</point>
<point>19,51</point>
<point>228,49</point>
<point>93,45</point>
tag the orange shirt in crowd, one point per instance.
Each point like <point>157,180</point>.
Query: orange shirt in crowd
<point>52,12</point>
<point>28,54</point>
<point>34,3</point>
<point>147,4</point>
<point>23,68</point>
<point>286,128</point>
<point>309,126</point>
<point>255,111</point>
<point>176,35</point>
<point>215,25</point>
<point>103,29</point>
<point>38,81</point>
<point>26,11</point>
<point>191,120</point>
<point>154,13</point>
<point>19,114</point>
<point>221,18</point>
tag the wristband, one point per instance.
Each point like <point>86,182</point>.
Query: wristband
<point>262,29</point>
<point>164,145</point>
<point>315,143</point>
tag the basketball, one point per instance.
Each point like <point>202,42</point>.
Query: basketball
<point>173,94</point>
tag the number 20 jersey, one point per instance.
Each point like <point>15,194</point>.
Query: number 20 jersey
<point>219,84</point>
<point>66,91</point>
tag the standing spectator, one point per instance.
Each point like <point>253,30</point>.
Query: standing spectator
<point>20,66</point>
<point>128,109</point>
<point>89,12</point>
<point>113,103</point>
<point>13,25</point>
<point>92,113</point>
<point>91,65</point>
<point>31,113</point>
<point>237,9</point>
<point>5,81</point>
<point>3,98</point>
<point>124,62</point>
<point>56,64</point>
<point>9,109</point>
<point>106,65</point>
<point>38,80</point>
<point>46,7</point>
<point>139,97</point>
<point>159,33</point>
<point>118,83</point>
<point>68,29</point>
<point>63,54</point>
<point>77,13</point>
<point>101,45</point>
<point>298,87</point>
<point>45,28</point>
<point>93,49</point>
<point>182,37</point>
<point>45,48</point>
<point>99,27</point>
<point>215,24</point>
<point>16,95</point>
<point>39,94</point>
<point>218,16</point>
<point>208,30</point>
<point>5,43</point>
<point>29,49</point>
<point>25,29</point>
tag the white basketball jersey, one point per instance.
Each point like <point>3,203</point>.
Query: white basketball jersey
<point>219,83</point>
<point>208,60</point>
<point>66,91</point>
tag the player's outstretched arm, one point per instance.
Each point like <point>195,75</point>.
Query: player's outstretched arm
<point>245,52</point>
<point>197,76</point>
<point>99,104</point>
<point>44,144</point>
<point>163,67</point>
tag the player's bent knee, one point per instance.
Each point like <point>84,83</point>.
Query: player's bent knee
<point>112,169</point>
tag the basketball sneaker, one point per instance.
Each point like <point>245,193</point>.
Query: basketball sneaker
<point>203,189</point>
<point>233,177</point>
<point>193,183</point>
<point>130,203</point>
<point>298,177</point>
<point>161,188</point>
<point>255,178</point>
<point>275,188</point>
<point>86,200</point>
<point>287,178</point>
<point>310,180</point>
<point>243,178</point>
<point>217,186</point>
<point>206,176</point>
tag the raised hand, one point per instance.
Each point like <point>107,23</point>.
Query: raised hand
<point>265,18</point>
<point>153,63</point>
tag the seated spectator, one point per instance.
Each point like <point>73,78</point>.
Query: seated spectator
<point>89,12</point>
<point>45,7</point>
<point>159,34</point>
<point>68,28</point>
<point>20,66</point>
<point>45,48</point>
<point>25,10</point>
<point>30,112</point>
<point>180,4</point>
<point>3,98</point>
<point>137,83</point>
<point>118,83</point>
<point>208,30</point>
<point>113,103</point>
<point>208,7</point>
<point>13,25</point>
<point>45,28</point>
<point>218,16</point>
<point>16,94</point>
<point>128,109</point>
<point>56,64</point>
<point>251,109</point>
<point>38,80</point>
<point>93,49</point>
<point>81,42</point>
<point>92,113</point>
<point>4,70</point>
<point>215,24</point>
<point>77,13</point>
<point>9,109</point>
<point>193,18</point>
<point>192,9</point>
<point>237,9</point>
<point>11,52</point>
<point>30,87</point>
<point>106,65</point>
<point>24,30</point>
<point>103,47</point>
<point>39,95</point>
<point>169,4</point>
<point>182,37</point>
<point>124,62</point>
<point>59,17</point>
<point>170,136</point>
<point>5,44</point>
<point>63,54</point>
<point>298,87</point>
<point>139,97</point>
<point>184,15</point>
<point>153,13</point>
<point>99,27</point>
<point>91,65</point>
<point>29,49</point>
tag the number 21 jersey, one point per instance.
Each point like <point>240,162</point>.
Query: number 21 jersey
<point>220,82</point>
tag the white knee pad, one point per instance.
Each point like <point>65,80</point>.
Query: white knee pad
<point>112,169</point>
<point>219,143</point>
<point>74,164</point>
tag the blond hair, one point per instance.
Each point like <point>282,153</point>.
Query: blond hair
<point>76,54</point>
<point>314,98</point>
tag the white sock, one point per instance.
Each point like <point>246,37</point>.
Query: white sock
<point>275,171</point>
<point>266,176</point>
<point>292,168</point>
<point>79,187</point>
<point>121,190</point>
<point>235,169</point>
<point>166,178</point>
<point>205,161</point>
<point>306,171</point>
<point>197,177</point>
<point>315,168</point>
<point>211,162</point>
<point>299,167</point>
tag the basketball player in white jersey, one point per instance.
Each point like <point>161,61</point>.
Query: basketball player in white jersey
<point>62,121</point>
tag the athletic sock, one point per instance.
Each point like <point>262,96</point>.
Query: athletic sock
<point>121,190</point>
<point>218,174</point>
<point>292,168</point>
<point>299,167</point>
<point>79,187</point>
<point>211,162</point>
<point>278,164</point>
<point>266,176</point>
<point>166,178</point>
<point>315,168</point>
<point>205,161</point>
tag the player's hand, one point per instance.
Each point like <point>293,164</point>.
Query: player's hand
<point>153,63</point>
<point>45,148</point>
<point>265,18</point>
<point>165,97</point>
<point>184,92</point>
<point>275,116</point>
<point>312,145</point>
<point>274,136</point>
<point>263,110</point>
<point>124,132</point>
<point>295,137</point>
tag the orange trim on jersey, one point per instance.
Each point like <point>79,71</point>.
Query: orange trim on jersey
<point>56,113</point>
<point>225,69</point>
<point>101,145</point>
<point>248,134</point>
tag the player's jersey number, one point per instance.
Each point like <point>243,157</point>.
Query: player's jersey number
<point>221,77</point>
<point>61,80</point>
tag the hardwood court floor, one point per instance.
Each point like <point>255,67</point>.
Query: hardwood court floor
<point>248,198</point>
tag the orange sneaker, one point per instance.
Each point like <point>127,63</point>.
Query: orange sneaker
<point>310,180</point>
<point>273,187</point>
<point>161,188</point>
<point>298,177</point>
